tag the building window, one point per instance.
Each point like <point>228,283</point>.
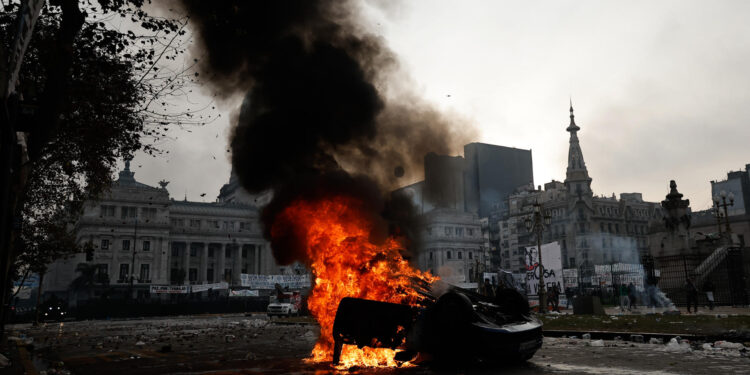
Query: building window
<point>125,245</point>
<point>210,253</point>
<point>227,253</point>
<point>601,227</point>
<point>617,228</point>
<point>107,211</point>
<point>145,274</point>
<point>460,255</point>
<point>228,274</point>
<point>102,270</point>
<point>124,267</point>
<point>430,255</point>
<point>448,255</point>
<point>127,212</point>
<point>148,213</point>
<point>146,245</point>
<point>471,255</point>
<point>193,275</point>
<point>244,253</point>
<point>194,223</point>
<point>193,251</point>
<point>447,231</point>
<point>459,232</point>
<point>105,244</point>
<point>604,242</point>
<point>210,274</point>
<point>175,251</point>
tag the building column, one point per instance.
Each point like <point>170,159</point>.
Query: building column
<point>188,245</point>
<point>219,271</point>
<point>256,264</point>
<point>202,274</point>
<point>236,264</point>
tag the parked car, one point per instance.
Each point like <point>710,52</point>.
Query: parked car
<point>284,303</point>
<point>458,325</point>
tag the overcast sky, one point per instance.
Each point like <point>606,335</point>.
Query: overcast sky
<point>661,90</point>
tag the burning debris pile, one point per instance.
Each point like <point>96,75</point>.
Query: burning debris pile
<point>316,128</point>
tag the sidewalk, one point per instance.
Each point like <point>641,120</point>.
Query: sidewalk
<point>640,310</point>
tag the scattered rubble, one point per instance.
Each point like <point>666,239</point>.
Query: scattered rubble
<point>599,343</point>
<point>677,347</point>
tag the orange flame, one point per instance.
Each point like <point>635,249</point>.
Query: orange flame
<point>345,263</point>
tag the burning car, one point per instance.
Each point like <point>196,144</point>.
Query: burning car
<point>457,325</point>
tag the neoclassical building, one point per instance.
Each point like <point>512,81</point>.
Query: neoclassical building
<point>136,229</point>
<point>591,229</point>
<point>453,246</point>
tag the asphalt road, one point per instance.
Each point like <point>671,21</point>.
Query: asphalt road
<point>250,345</point>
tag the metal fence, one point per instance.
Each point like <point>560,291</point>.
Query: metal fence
<point>728,278</point>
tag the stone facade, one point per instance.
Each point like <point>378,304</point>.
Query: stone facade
<point>452,245</point>
<point>591,229</point>
<point>139,227</point>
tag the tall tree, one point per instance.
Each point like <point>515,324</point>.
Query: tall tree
<point>89,93</point>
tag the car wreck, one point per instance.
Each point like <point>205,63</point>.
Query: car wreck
<point>454,325</point>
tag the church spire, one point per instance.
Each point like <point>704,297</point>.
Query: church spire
<point>577,177</point>
<point>572,127</point>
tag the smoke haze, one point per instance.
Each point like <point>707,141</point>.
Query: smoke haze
<point>315,115</point>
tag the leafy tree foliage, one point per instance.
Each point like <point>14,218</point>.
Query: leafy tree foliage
<point>96,85</point>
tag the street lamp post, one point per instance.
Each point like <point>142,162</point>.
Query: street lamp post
<point>718,215</point>
<point>536,224</point>
<point>720,201</point>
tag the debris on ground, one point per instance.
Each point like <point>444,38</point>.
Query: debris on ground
<point>599,343</point>
<point>676,347</point>
<point>728,345</point>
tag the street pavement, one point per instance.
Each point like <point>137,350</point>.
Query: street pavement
<point>236,344</point>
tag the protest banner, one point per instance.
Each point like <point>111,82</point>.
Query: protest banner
<point>269,281</point>
<point>552,262</point>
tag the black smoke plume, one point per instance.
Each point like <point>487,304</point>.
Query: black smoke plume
<point>314,115</point>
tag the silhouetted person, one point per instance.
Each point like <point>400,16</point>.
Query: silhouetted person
<point>691,292</point>
<point>624,300</point>
<point>488,290</point>
<point>631,295</point>
<point>708,287</point>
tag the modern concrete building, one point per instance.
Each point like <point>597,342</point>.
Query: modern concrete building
<point>492,173</point>
<point>138,231</point>
<point>456,196</point>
